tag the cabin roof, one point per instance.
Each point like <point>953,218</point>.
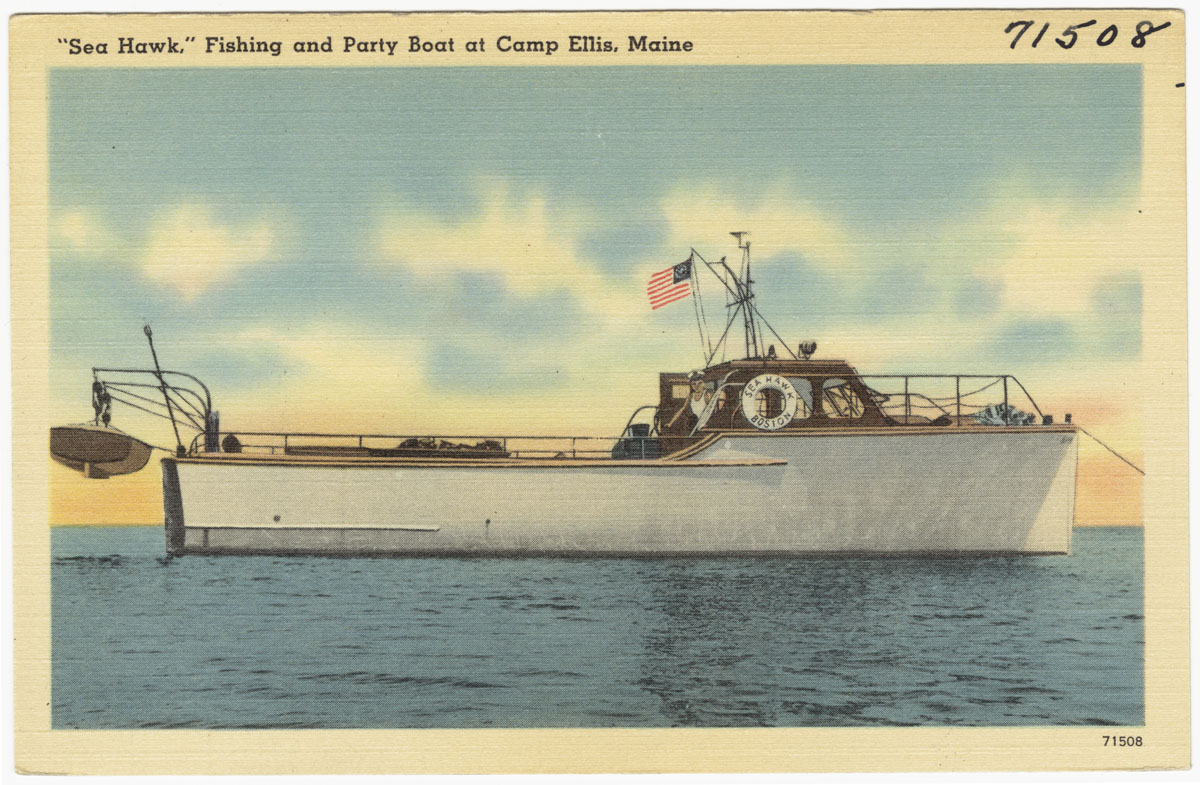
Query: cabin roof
<point>781,366</point>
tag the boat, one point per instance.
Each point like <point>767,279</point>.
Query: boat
<point>97,450</point>
<point>771,453</point>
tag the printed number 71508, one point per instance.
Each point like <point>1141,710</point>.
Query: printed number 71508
<point>1122,741</point>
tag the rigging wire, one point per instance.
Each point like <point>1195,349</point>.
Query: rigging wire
<point>721,342</point>
<point>729,292</point>
<point>696,305</point>
<point>142,408</point>
<point>703,316</point>
<point>1114,452</point>
<point>178,400</point>
<point>154,402</point>
<point>116,397</point>
<point>150,401</point>
<point>728,302</point>
<point>118,430</point>
<point>786,348</point>
<point>198,406</point>
<point>943,398</point>
<point>973,392</point>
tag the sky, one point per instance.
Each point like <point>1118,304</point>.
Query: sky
<point>466,249</point>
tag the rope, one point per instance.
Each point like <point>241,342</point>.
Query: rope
<point>142,408</point>
<point>696,308</point>
<point>968,394</point>
<point>703,316</point>
<point>118,430</point>
<point>728,302</point>
<point>197,407</point>
<point>1110,449</point>
<point>192,419</point>
<point>947,398</point>
<point>721,342</point>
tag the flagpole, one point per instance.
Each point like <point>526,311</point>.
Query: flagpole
<point>739,298</point>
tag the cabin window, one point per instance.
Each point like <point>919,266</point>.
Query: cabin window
<point>768,403</point>
<point>804,390</point>
<point>680,391</point>
<point>841,400</point>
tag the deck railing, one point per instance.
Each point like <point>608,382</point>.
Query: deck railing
<point>958,396</point>
<point>280,442</point>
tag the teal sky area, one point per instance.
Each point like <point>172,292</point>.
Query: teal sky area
<point>916,166</point>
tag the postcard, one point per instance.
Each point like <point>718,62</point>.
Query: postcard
<point>599,392</point>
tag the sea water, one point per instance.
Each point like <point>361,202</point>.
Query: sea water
<point>145,641</point>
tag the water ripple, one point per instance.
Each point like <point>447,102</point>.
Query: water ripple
<point>145,641</point>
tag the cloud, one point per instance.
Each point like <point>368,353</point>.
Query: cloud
<point>344,377</point>
<point>1020,279</point>
<point>1042,339</point>
<point>189,250</point>
<point>1049,257</point>
<point>532,251</point>
<point>80,231</point>
<point>508,295</point>
<point>1016,254</point>
<point>781,223</point>
<point>328,375</point>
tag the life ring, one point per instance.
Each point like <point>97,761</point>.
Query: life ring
<point>769,381</point>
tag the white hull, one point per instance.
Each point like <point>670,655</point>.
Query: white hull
<point>954,491</point>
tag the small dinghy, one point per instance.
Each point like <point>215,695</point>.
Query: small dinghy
<point>98,451</point>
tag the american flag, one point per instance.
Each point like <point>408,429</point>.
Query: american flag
<point>669,285</point>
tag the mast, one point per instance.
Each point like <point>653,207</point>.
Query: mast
<point>739,286</point>
<point>745,299</point>
<point>179,449</point>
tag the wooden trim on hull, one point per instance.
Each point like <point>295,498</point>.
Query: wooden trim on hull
<point>480,463</point>
<point>900,430</point>
<point>676,458</point>
<point>896,431</point>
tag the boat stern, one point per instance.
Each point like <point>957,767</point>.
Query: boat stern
<point>172,508</point>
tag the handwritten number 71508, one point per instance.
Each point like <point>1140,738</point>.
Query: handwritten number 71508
<point>1069,37</point>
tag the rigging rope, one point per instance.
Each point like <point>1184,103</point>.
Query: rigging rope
<point>728,302</point>
<point>721,342</point>
<point>156,447</point>
<point>968,394</point>
<point>116,397</point>
<point>782,342</point>
<point>703,316</point>
<point>153,402</point>
<point>118,430</point>
<point>696,307</point>
<point>1110,449</point>
<point>198,407</point>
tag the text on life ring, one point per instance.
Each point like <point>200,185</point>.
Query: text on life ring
<point>769,381</point>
